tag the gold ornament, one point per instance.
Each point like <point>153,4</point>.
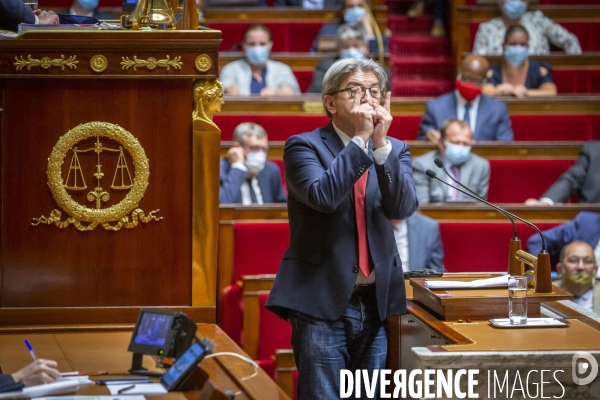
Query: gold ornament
<point>45,62</point>
<point>95,216</point>
<point>151,63</point>
<point>203,63</point>
<point>98,63</point>
<point>208,100</point>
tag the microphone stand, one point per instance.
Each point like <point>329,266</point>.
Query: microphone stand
<point>543,280</point>
<point>515,267</point>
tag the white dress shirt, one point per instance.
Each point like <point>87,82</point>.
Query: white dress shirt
<point>379,155</point>
<point>460,110</point>
<point>401,235</point>
<point>245,188</point>
<point>586,300</point>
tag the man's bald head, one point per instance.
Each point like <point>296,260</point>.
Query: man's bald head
<point>474,68</point>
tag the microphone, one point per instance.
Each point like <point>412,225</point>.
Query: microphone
<point>440,164</point>
<point>514,265</point>
<point>545,284</point>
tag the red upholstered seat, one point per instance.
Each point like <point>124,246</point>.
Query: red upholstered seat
<point>274,334</point>
<point>233,318</point>
<point>554,127</point>
<point>251,240</point>
<point>285,34</point>
<point>481,246</point>
<point>278,127</point>
<point>577,80</point>
<point>304,78</point>
<point>514,181</point>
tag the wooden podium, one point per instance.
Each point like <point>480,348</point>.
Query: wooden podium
<point>109,175</point>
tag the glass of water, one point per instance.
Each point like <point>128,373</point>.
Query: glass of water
<point>517,300</point>
<point>33,4</point>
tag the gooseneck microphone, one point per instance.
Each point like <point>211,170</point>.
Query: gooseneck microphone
<point>440,164</point>
<point>433,175</point>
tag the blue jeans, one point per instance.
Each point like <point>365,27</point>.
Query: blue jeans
<point>357,340</point>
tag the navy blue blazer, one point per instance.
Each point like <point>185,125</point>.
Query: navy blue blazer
<point>8,384</point>
<point>492,121</point>
<point>269,181</point>
<point>425,249</point>
<point>13,12</point>
<point>319,270</point>
<point>585,228</point>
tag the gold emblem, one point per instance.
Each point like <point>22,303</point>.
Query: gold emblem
<point>75,181</point>
<point>98,63</point>
<point>45,62</point>
<point>151,63</point>
<point>203,63</point>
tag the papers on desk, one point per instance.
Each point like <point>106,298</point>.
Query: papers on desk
<point>62,387</point>
<point>138,397</point>
<point>140,388</point>
<point>500,281</point>
<point>82,379</point>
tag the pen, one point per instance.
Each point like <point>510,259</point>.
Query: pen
<point>125,389</point>
<point>30,349</point>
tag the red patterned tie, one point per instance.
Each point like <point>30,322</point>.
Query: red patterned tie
<point>360,190</point>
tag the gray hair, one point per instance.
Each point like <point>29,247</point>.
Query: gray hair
<point>350,32</point>
<point>248,129</point>
<point>343,68</point>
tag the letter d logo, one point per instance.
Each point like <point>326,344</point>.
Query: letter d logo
<point>580,367</point>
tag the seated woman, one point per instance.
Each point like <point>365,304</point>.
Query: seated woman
<point>517,75</point>
<point>541,29</point>
<point>353,13</point>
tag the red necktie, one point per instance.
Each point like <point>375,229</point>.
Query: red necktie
<point>360,190</point>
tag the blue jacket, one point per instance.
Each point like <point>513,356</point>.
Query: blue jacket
<point>319,270</point>
<point>231,179</point>
<point>492,121</point>
<point>8,384</point>
<point>425,249</point>
<point>585,228</point>
<point>13,12</point>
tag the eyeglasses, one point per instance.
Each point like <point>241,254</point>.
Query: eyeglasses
<point>358,92</point>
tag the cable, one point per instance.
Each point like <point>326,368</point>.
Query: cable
<point>230,353</point>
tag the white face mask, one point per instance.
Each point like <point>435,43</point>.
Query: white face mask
<point>255,161</point>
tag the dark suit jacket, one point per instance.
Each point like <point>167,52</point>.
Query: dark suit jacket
<point>269,181</point>
<point>13,12</point>
<point>319,270</point>
<point>585,228</point>
<point>425,249</point>
<point>492,121</point>
<point>8,384</point>
<point>583,178</point>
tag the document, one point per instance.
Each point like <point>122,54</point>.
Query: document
<point>140,388</point>
<point>62,387</point>
<point>500,281</point>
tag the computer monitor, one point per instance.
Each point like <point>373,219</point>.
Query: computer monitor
<point>129,5</point>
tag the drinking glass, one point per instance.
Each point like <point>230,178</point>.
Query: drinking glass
<point>517,300</point>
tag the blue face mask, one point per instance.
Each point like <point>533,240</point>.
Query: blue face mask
<point>352,53</point>
<point>354,14</point>
<point>257,55</point>
<point>457,154</point>
<point>516,55</point>
<point>515,9</point>
<point>88,4</point>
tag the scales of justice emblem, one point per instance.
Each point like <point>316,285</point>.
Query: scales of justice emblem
<point>87,218</point>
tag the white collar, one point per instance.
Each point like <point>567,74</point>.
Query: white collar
<point>345,138</point>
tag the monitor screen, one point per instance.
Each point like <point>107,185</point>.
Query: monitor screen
<point>153,329</point>
<point>183,365</point>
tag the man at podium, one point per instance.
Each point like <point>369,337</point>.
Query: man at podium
<point>342,276</point>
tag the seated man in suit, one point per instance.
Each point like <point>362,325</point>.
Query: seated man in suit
<point>584,228</point>
<point>246,176</point>
<point>455,152</point>
<point>487,117</point>
<point>351,43</point>
<point>38,372</point>
<point>582,179</point>
<point>578,270</point>
<point>419,243</point>
<point>14,12</point>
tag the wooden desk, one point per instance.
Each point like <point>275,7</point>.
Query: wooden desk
<point>107,351</point>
